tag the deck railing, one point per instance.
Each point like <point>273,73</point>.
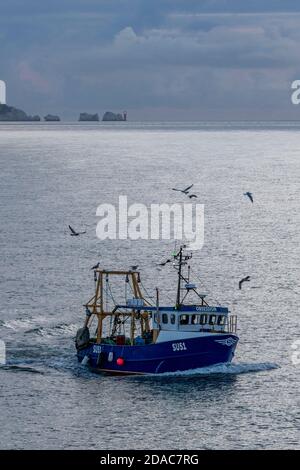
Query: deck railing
<point>232,324</point>
<point>229,326</point>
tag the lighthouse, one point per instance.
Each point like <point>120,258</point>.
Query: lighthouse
<point>2,92</point>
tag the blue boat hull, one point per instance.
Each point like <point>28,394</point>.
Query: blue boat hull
<point>158,358</point>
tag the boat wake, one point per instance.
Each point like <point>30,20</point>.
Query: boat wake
<point>33,327</point>
<point>16,324</point>
<point>63,329</point>
<point>225,369</point>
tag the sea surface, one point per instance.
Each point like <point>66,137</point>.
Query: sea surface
<point>52,175</point>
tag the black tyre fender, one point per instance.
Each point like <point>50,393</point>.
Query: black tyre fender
<point>82,338</point>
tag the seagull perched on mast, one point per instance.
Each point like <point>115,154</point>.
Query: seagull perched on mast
<point>74,233</point>
<point>165,262</point>
<point>249,195</point>
<point>247,278</point>
<point>184,191</point>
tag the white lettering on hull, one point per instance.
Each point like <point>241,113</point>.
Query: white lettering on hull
<point>179,347</point>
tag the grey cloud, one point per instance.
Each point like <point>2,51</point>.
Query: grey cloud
<point>174,55</point>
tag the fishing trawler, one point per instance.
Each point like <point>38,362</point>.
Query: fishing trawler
<point>137,337</point>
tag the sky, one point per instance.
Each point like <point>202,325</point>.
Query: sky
<point>157,59</point>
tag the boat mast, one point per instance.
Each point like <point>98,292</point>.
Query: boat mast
<point>179,279</point>
<point>96,304</point>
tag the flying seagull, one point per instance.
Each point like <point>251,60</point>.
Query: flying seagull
<point>247,278</point>
<point>184,191</point>
<point>165,262</point>
<point>249,195</point>
<point>191,196</point>
<point>96,266</point>
<point>74,233</point>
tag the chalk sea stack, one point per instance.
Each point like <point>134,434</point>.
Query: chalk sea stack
<point>88,117</point>
<point>51,118</point>
<point>9,113</point>
<point>109,116</point>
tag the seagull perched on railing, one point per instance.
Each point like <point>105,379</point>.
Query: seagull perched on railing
<point>249,195</point>
<point>184,191</point>
<point>96,266</point>
<point>247,278</point>
<point>74,233</point>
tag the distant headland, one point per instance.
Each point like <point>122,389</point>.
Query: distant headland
<point>109,116</point>
<point>51,118</point>
<point>9,113</point>
<point>88,117</point>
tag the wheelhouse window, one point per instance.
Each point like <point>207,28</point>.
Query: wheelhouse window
<point>212,319</point>
<point>165,318</point>
<point>221,320</point>
<point>173,318</point>
<point>203,319</point>
<point>184,319</point>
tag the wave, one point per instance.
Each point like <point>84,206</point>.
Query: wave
<point>15,368</point>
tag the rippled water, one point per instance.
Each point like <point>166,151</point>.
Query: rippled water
<point>55,175</point>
